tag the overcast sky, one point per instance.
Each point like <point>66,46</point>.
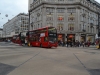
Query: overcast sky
<point>13,8</point>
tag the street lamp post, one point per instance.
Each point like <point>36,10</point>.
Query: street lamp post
<point>29,22</point>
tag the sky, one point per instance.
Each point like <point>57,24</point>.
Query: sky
<point>13,8</point>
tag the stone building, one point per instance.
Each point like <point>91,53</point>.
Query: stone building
<point>16,25</point>
<point>74,19</point>
<point>1,35</point>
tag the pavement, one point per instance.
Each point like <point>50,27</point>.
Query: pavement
<point>54,61</point>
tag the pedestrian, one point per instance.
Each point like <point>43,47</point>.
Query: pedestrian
<point>83,44</point>
<point>88,43</point>
<point>26,41</point>
<point>67,43</point>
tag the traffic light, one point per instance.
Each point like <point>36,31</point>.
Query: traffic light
<point>19,35</point>
<point>99,34</point>
<point>27,34</point>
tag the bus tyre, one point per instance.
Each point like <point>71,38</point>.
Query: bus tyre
<point>31,45</point>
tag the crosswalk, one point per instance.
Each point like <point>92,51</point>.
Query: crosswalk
<point>8,44</point>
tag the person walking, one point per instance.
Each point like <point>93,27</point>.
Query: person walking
<point>83,44</point>
<point>26,41</point>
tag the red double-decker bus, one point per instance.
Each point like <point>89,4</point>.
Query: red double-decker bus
<point>14,37</point>
<point>43,37</point>
<point>18,38</point>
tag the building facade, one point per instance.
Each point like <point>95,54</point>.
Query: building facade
<point>74,19</point>
<point>1,34</point>
<point>16,25</point>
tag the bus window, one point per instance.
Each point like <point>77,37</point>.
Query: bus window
<point>52,34</point>
<point>46,39</point>
<point>52,30</point>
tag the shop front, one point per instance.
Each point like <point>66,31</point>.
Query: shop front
<point>83,37</point>
<point>71,37</point>
<point>61,37</point>
<point>91,38</point>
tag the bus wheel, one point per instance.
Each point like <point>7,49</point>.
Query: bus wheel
<point>31,45</point>
<point>41,45</point>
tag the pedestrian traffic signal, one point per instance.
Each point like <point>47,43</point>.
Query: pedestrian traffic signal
<point>99,34</point>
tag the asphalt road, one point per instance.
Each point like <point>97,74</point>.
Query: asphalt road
<point>21,60</point>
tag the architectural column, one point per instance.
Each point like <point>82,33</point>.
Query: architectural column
<point>44,16</point>
<point>77,37</point>
<point>55,17</point>
<point>66,23</point>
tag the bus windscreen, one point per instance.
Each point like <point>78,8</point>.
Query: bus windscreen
<point>52,34</point>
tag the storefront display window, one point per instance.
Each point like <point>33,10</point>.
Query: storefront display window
<point>71,37</point>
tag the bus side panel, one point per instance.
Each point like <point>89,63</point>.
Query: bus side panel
<point>53,44</point>
<point>43,43</point>
<point>35,44</point>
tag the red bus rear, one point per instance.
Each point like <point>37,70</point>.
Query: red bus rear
<point>16,39</point>
<point>44,37</point>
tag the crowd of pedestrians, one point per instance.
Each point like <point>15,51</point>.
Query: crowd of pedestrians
<point>75,44</point>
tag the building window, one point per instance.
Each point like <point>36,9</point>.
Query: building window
<point>60,10</point>
<point>80,26</point>
<point>93,30</point>
<point>71,10</point>
<point>50,10</point>
<point>71,27</point>
<point>71,17</point>
<point>60,0</point>
<point>88,28</point>
<point>60,18</point>
<point>49,24</point>
<point>38,25</point>
<point>60,26</point>
<point>49,17</point>
<point>41,25</point>
<point>70,0</point>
